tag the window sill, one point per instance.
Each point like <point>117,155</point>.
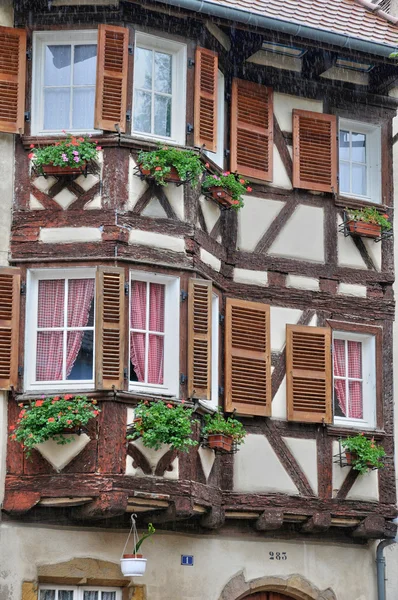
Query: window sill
<point>342,431</point>
<point>355,203</point>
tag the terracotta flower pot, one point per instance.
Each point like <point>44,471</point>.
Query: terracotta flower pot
<point>363,229</point>
<point>58,170</point>
<point>352,456</point>
<point>220,441</point>
<point>172,177</point>
<point>221,195</point>
<point>133,565</point>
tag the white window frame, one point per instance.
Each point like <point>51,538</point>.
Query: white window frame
<point>41,39</point>
<point>178,89</point>
<point>368,380</point>
<point>78,591</point>
<point>218,156</point>
<point>373,159</point>
<point>170,385</point>
<point>215,332</point>
<point>33,278</point>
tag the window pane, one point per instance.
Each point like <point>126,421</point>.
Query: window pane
<point>156,359</point>
<point>355,400</point>
<point>142,111</point>
<point>56,108</point>
<point>354,350</point>
<point>162,115</point>
<point>49,355</point>
<point>65,594</point>
<point>108,596</point>
<point>138,304</point>
<point>80,301</point>
<point>358,152</point>
<point>79,355</point>
<point>344,177</point>
<point>90,595</point>
<point>339,366</point>
<point>51,302</point>
<point>84,64</point>
<point>156,307</point>
<point>57,65</point>
<point>143,68</point>
<point>137,356</point>
<point>359,180</point>
<point>344,147</point>
<point>47,594</point>
<point>339,398</point>
<point>83,108</point>
<point>163,72</point>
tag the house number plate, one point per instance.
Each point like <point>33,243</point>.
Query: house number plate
<point>278,555</point>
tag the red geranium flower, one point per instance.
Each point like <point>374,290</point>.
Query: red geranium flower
<point>39,403</point>
<point>68,422</point>
<point>12,427</point>
<point>158,168</point>
<point>31,155</point>
<point>51,420</point>
<point>169,405</point>
<point>14,437</point>
<point>95,413</point>
<point>68,396</point>
<point>248,189</point>
<point>32,146</point>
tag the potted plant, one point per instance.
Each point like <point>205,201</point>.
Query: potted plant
<point>363,454</point>
<point>52,417</point>
<point>134,565</point>
<point>158,423</point>
<point>227,189</point>
<point>367,222</point>
<point>66,157</point>
<point>170,165</point>
<point>223,433</point>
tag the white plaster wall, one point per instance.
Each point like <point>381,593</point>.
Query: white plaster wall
<point>302,236</point>
<point>210,259</point>
<point>211,212</point>
<point>305,452</point>
<point>216,560</point>
<point>254,219</point>
<point>67,235</point>
<point>280,177</point>
<point>279,318</point>
<point>347,253</point>
<point>283,108</point>
<point>159,240</point>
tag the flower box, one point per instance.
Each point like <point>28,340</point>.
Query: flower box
<point>172,177</point>
<point>221,195</point>
<point>353,456</point>
<point>133,565</point>
<point>59,170</point>
<point>363,229</point>
<point>220,441</point>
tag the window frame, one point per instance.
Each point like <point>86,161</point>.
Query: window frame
<point>33,278</point>
<point>178,50</point>
<point>79,590</point>
<point>55,38</point>
<point>373,159</point>
<point>170,385</point>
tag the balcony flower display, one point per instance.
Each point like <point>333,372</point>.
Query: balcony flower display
<point>363,454</point>
<point>222,433</point>
<point>68,156</point>
<point>227,189</point>
<point>170,165</point>
<point>367,222</point>
<point>52,417</point>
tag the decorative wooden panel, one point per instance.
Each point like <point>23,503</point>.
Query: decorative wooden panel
<point>314,151</point>
<point>247,358</point>
<point>206,74</point>
<point>308,374</point>
<point>252,125</point>
<point>112,68</point>
<point>10,290</point>
<point>110,328</point>
<point>199,338</point>
<point>12,79</point>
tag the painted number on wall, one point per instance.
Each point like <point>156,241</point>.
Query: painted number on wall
<point>278,555</point>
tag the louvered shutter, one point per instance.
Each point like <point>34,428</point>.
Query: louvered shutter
<point>308,374</point>
<point>206,78</point>
<point>12,79</point>
<point>252,126</point>
<point>247,358</point>
<point>10,290</point>
<point>199,338</point>
<point>314,151</point>
<point>110,328</point>
<point>111,87</point>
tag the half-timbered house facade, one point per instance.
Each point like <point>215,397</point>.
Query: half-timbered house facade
<point>123,290</point>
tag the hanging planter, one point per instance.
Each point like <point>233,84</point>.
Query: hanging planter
<point>69,156</point>
<point>366,222</point>
<point>227,189</point>
<point>134,565</point>
<point>222,196</point>
<point>170,165</point>
<point>222,434</point>
<point>362,454</point>
<point>371,230</point>
<point>220,441</point>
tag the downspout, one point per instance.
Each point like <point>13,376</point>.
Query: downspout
<point>381,565</point>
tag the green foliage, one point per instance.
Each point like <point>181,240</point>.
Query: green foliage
<point>370,215</point>
<point>70,152</point>
<point>48,417</point>
<point>236,185</point>
<point>367,453</point>
<point>217,423</point>
<point>158,423</point>
<point>145,536</point>
<point>159,163</point>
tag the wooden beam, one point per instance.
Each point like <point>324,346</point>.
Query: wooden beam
<point>269,520</point>
<point>319,522</point>
<point>107,505</point>
<point>371,528</point>
<point>214,519</point>
<point>65,502</point>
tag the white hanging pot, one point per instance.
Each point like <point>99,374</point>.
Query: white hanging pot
<point>133,565</point>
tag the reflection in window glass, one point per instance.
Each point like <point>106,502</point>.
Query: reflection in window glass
<point>65,594</point>
<point>90,595</point>
<point>47,594</point>
<point>353,163</point>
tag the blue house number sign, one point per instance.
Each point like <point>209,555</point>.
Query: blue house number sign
<point>186,560</point>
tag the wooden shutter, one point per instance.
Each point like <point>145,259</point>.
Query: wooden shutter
<point>110,328</point>
<point>12,79</point>
<point>206,78</point>
<point>308,374</point>
<point>252,124</point>
<point>247,358</point>
<point>10,290</point>
<point>112,68</point>
<point>314,151</point>
<point>199,338</point>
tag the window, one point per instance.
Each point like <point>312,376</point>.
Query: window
<point>60,329</point>
<point>68,592</point>
<point>218,157</point>
<point>159,88</point>
<point>64,72</point>
<point>359,158</point>
<point>354,366</point>
<point>154,333</point>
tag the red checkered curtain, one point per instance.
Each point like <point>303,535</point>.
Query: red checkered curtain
<point>49,354</point>
<point>138,321</point>
<point>348,367</point>
<point>156,342</point>
<point>80,298</point>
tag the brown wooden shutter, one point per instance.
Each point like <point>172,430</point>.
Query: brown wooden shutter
<point>308,374</point>
<point>252,125</point>
<point>247,358</point>
<point>199,338</point>
<point>314,151</point>
<point>206,79</point>
<point>112,69</point>
<point>110,328</point>
<point>12,79</point>
<point>10,290</point>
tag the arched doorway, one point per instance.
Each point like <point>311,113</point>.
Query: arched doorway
<point>268,596</point>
